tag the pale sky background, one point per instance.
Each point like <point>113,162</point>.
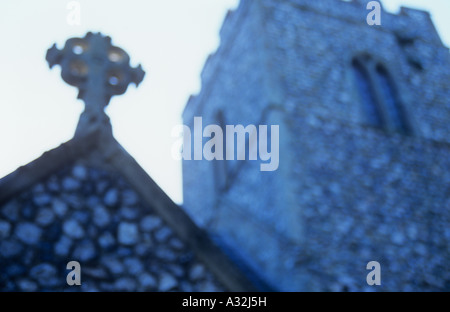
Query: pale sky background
<point>170,38</point>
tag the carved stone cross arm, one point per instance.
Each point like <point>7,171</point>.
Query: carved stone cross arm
<point>98,69</point>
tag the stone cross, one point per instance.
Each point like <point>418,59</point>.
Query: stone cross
<point>98,69</point>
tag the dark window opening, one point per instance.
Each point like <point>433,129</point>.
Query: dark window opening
<point>367,94</point>
<point>415,64</point>
<point>220,166</point>
<point>391,101</point>
<point>407,45</point>
<point>405,41</point>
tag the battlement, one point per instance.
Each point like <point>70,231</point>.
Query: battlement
<point>232,23</point>
<point>408,21</point>
<point>409,24</point>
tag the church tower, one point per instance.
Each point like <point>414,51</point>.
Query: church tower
<point>364,146</point>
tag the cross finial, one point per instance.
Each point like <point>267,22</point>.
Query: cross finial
<point>98,69</point>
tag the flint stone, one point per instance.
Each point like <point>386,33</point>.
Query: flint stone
<point>167,282</point>
<point>129,213</point>
<point>125,284</point>
<point>150,223</point>
<point>10,249</point>
<point>28,233</point>
<point>129,198</point>
<point>59,207</point>
<point>73,229</point>
<point>42,199</point>
<point>114,265</point>
<point>147,281</point>
<point>197,272</point>
<point>166,254</point>
<point>101,216</point>
<point>53,185</point>
<point>70,184</point>
<point>80,172</point>
<point>62,247</point>
<point>44,274</point>
<point>176,244</point>
<point>5,229</point>
<point>134,266</point>
<point>11,210</point>
<point>45,217</point>
<point>27,285</point>
<point>163,234</point>
<point>128,233</point>
<point>106,240</point>
<point>85,251</point>
<point>98,273</point>
<point>111,198</point>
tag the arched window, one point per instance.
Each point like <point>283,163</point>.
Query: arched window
<point>367,93</point>
<point>391,101</point>
<point>378,95</point>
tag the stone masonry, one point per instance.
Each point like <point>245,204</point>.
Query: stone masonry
<point>346,192</point>
<point>92,216</point>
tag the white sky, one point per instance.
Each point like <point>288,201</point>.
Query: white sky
<point>170,38</point>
